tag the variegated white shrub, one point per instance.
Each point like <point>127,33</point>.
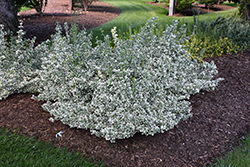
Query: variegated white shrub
<point>140,85</point>
<point>19,62</point>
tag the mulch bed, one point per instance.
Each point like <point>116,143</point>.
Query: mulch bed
<point>43,26</point>
<point>220,120</point>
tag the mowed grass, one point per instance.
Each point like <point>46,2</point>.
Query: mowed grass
<point>24,8</point>
<point>238,157</point>
<point>17,150</point>
<point>135,13</point>
<point>230,4</point>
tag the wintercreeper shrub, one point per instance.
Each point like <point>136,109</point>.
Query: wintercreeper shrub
<point>67,67</point>
<point>140,85</point>
<point>19,62</point>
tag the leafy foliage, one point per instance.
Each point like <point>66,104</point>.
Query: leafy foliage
<point>209,38</point>
<point>244,8</point>
<point>181,5</point>
<point>36,4</point>
<point>210,3</point>
<point>207,46</point>
<point>18,64</point>
<point>184,4</point>
<point>140,85</point>
<point>222,35</point>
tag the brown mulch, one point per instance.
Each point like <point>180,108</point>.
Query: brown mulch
<point>220,120</point>
<point>42,26</point>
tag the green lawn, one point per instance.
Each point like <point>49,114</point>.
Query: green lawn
<point>17,150</point>
<point>230,4</point>
<point>135,13</point>
<point>238,157</point>
<point>24,8</point>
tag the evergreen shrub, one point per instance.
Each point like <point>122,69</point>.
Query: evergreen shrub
<point>182,5</point>
<point>19,62</point>
<point>141,84</point>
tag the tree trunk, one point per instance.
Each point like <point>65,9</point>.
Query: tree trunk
<point>86,6</point>
<point>171,7</point>
<point>8,15</point>
<point>245,4</point>
<point>71,4</point>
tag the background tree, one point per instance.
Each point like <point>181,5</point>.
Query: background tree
<point>8,15</point>
<point>244,8</point>
<point>38,5</point>
<point>82,3</point>
<point>210,3</point>
<point>180,5</point>
<point>19,4</point>
<point>184,4</point>
<point>71,4</point>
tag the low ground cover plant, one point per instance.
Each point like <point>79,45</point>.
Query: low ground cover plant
<point>239,156</point>
<point>216,37</point>
<point>38,5</point>
<point>207,46</point>
<point>138,85</point>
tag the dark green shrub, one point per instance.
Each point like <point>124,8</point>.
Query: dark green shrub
<point>19,4</point>
<point>244,8</point>
<point>184,4</point>
<point>210,3</point>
